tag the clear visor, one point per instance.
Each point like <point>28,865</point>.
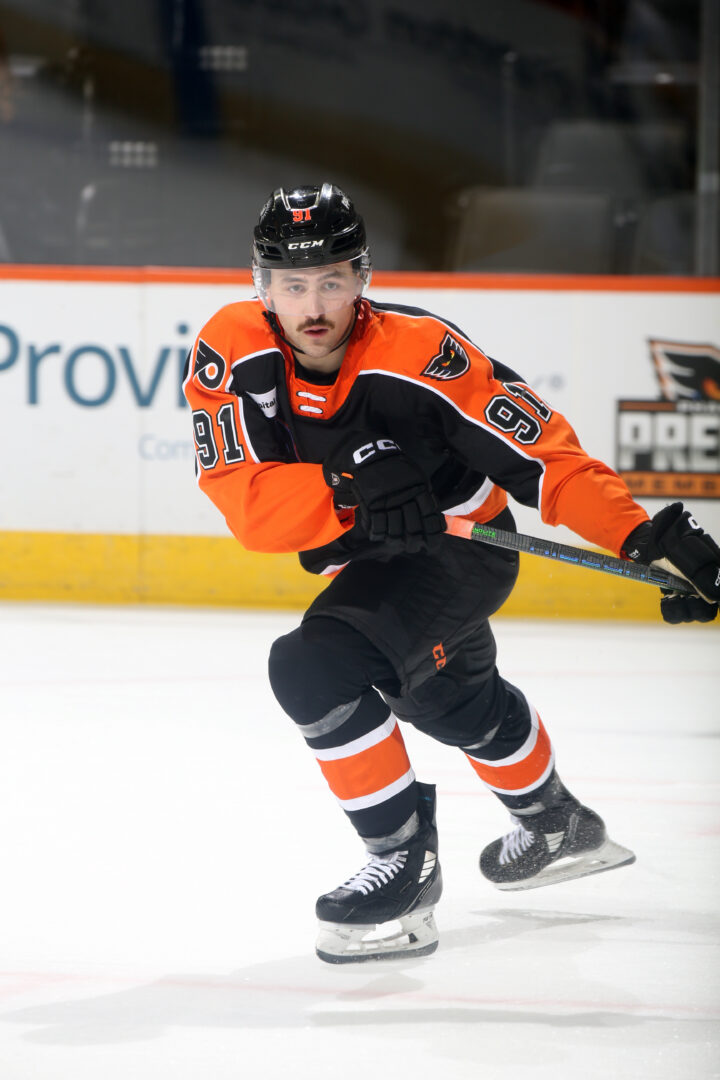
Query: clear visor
<point>312,290</point>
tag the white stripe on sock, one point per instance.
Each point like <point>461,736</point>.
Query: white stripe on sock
<point>356,746</point>
<point>376,797</point>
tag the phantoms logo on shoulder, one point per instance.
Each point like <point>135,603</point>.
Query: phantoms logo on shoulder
<point>450,362</point>
<point>670,447</point>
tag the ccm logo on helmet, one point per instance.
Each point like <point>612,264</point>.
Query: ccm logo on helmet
<point>304,244</point>
<point>364,452</point>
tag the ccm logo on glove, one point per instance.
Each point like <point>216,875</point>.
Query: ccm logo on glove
<point>391,495</point>
<point>364,452</point>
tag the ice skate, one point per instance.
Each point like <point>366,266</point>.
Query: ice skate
<point>558,844</point>
<point>386,910</point>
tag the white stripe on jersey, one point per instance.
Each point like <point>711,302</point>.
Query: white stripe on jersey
<point>242,359</point>
<point>474,502</point>
<point>241,410</point>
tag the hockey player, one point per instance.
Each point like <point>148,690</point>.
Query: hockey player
<point>346,430</point>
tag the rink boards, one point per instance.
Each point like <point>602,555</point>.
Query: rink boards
<point>98,498</point>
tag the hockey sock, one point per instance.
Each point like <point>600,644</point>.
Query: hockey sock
<point>516,764</point>
<point>322,675</point>
<point>361,752</point>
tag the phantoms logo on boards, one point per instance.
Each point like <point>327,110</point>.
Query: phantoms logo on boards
<point>670,447</point>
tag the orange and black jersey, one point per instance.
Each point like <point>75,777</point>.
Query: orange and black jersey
<point>263,425</point>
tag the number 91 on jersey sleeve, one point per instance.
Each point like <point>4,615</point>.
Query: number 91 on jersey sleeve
<point>206,439</point>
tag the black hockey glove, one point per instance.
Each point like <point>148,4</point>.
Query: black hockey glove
<point>675,541</point>
<point>391,494</point>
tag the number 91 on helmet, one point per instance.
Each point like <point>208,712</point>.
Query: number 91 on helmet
<point>309,251</point>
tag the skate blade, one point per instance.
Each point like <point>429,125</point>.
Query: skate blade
<point>341,944</point>
<point>607,857</point>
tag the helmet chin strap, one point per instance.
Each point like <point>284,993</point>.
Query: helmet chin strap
<point>274,322</point>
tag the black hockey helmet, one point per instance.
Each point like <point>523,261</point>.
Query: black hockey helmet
<point>311,225</point>
<point>300,231</point>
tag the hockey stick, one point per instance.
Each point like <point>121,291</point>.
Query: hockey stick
<point>549,549</point>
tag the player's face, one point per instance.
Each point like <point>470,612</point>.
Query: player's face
<point>316,305</point>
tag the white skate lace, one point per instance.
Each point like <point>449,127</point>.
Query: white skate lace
<point>379,871</point>
<point>515,843</point>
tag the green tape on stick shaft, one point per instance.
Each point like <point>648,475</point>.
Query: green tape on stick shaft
<point>608,564</point>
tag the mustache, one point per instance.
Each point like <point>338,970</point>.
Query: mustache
<point>313,324</point>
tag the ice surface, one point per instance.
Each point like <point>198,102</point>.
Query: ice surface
<point>165,833</point>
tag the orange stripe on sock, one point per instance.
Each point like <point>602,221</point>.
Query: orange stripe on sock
<point>369,771</point>
<point>522,774</point>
